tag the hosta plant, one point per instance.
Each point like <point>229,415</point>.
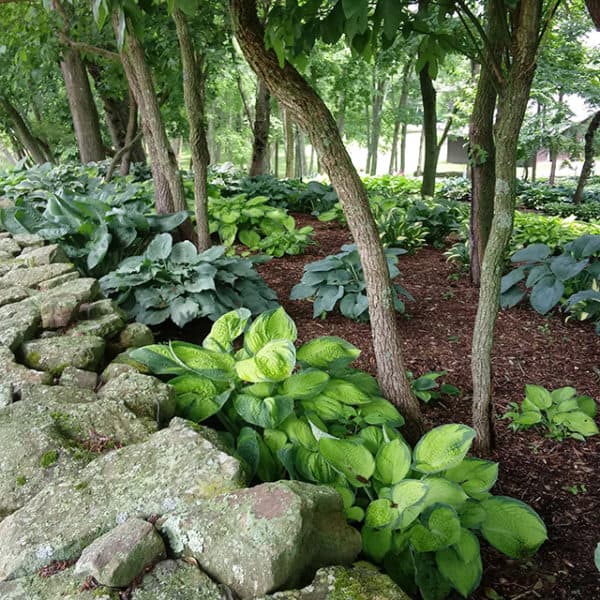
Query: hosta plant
<point>305,413</point>
<point>427,387</point>
<point>340,279</point>
<point>571,278</point>
<point>174,281</point>
<point>561,412</point>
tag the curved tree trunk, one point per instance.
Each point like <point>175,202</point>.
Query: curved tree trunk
<point>588,162</point>
<point>22,131</point>
<point>428,95</point>
<point>293,92</point>
<point>512,104</point>
<point>83,108</point>
<point>194,80</point>
<point>262,124</point>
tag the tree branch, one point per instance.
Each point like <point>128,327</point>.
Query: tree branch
<point>120,152</point>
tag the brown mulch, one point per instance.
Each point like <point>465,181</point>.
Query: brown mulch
<point>559,479</point>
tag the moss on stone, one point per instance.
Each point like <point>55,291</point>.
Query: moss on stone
<point>21,480</point>
<point>48,458</point>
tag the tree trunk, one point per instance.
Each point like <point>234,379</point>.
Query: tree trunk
<point>341,113</point>
<point>482,150</point>
<point>288,126</point>
<point>378,100</point>
<point>512,103</point>
<point>83,108</point>
<point>309,111</point>
<point>593,7</point>
<point>300,158</point>
<point>428,96</point>
<point>168,186</point>
<point>262,123</point>
<point>194,81</point>
<point>22,131</point>
<point>400,121</point>
<point>403,135</point>
<point>276,160</point>
<point>588,162</point>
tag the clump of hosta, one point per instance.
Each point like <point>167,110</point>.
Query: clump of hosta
<point>306,414</point>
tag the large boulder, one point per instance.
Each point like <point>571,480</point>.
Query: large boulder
<point>54,354</point>
<point>116,558</point>
<point>261,539</point>
<point>173,468</point>
<point>20,322</point>
<point>33,276</point>
<point>17,375</point>
<point>58,428</point>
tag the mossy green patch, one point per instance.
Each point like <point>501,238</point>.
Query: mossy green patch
<point>48,458</point>
<point>21,480</point>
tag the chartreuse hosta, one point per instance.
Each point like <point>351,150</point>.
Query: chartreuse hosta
<point>304,413</point>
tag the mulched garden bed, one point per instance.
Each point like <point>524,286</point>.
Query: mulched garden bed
<point>561,480</point>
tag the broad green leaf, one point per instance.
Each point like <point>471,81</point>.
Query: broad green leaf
<point>528,418</point>
<point>160,247</point>
<point>305,384</point>
<point>344,392</point>
<point>299,433</point>
<point>273,362</point>
<point>274,439</point>
<point>197,397</point>
<point>380,513</point>
<point>587,405</point>
<point>442,448</point>
<point>351,459</point>
<point>431,583</point>
<point>441,529</point>
<point>577,422</point>
<point>476,476</point>
<point>566,267</point>
<point>442,491</point>
<point>381,412</point>
<point>546,294</point>
<point>538,395</point>
<point>159,359</point>
<point>267,413</point>
<point>531,253</point>
<point>226,329</point>
<point>183,252</point>
<point>512,526</point>
<point>392,462</point>
<point>461,563</point>
<point>471,514</point>
<point>376,543</point>
<point>270,325</point>
<point>561,394</point>
<point>216,365</point>
<point>182,311</point>
<point>354,513</point>
<point>326,408</point>
<point>313,467</point>
<point>249,237</point>
<point>409,497</point>
<point>328,352</point>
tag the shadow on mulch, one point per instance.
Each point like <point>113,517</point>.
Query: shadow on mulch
<point>559,479</point>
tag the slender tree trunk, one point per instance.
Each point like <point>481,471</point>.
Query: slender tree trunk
<point>309,111</point>
<point>276,160</point>
<point>132,126</point>
<point>403,134</point>
<point>168,186</point>
<point>288,126</point>
<point>593,7</point>
<point>428,96</point>
<point>83,108</point>
<point>588,161</point>
<point>300,158</point>
<point>341,113</point>
<point>400,120</point>
<point>262,123</point>
<point>378,100</point>
<point>194,81</point>
<point>419,169</point>
<point>22,131</point>
<point>512,104</point>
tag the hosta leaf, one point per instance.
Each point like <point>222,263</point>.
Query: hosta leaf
<point>546,294</point>
<point>351,459</point>
<point>566,267</point>
<point>442,491</point>
<point>159,359</point>
<point>561,394</point>
<point>305,384</point>
<point>267,413</point>
<point>461,563</point>
<point>345,392</point>
<point>270,325</point>
<point>392,462</point>
<point>300,433</point>
<point>409,497</point>
<point>528,418</point>
<point>471,514</point>
<point>182,311</point>
<point>431,583</point>
<point>197,397</point>
<point>216,365</point>
<point>577,422</point>
<point>475,475</point>
<point>380,513</point>
<point>160,247</point>
<point>249,237</point>
<point>326,408</point>
<point>531,253</point>
<point>381,412</point>
<point>540,396</point>
<point>442,530</point>
<point>587,405</point>
<point>512,526</point>
<point>328,352</point>
<point>183,252</point>
<point>376,543</point>
<point>442,448</point>
<point>313,467</point>
<point>226,329</point>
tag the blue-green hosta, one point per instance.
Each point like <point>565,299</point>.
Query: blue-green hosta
<point>176,281</point>
<point>307,414</point>
<point>562,412</point>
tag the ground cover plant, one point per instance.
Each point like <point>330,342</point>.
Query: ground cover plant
<point>175,281</point>
<point>307,414</point>
<point>340,279</point>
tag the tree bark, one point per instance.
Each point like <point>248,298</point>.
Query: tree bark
<point>376,116</point>
<point>168,186</point>
<point>262,123</point>
<point>288,126</point>
<point>512,103</point>
<point>23,132</point>
<point>194,83</point>
<point>428,95</point>
<point>588,161</point>
<point>83,108</point>
<point>400,121</point>
<point>309,111</point>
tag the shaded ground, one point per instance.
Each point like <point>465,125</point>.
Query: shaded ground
<point>559,479</point>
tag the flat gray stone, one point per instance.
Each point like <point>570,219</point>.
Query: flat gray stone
<point>56,393</point>
<point>113,370</point>
<point>99,308</point>
<point>9,246</point>
<point>261,539</point>
<point>58,311</point>
<point>33,276</point>
<point>57,281</point>
<point>64,585</point>
<point>55,354</point>
<point>20,322</point>
<point>105,326</point>
<point>78,378</point>
<point>135,335</point>
<point>173,468</point>
<point>12,294</point>
<point>6,394</point>
<point>28,240</point>
<point>85,289</point>
<point>17,375</point>
<point>177,580</point>
<point>116,558</point>
<point>45,255</point>
<point>144,395</point>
